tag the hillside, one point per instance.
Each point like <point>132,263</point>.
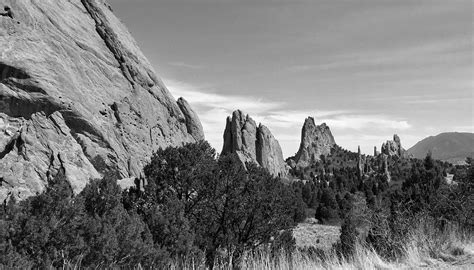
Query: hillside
<point>453,147</point>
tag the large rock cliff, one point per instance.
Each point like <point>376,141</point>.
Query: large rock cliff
<point>253,143</point>
<point>78,95</point>
<point>315,141</point>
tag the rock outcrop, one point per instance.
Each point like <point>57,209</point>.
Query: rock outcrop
<point>253,143</point>
<point>393,148</point>
<point>386,172</point>
<point>193,124</point>
<point>76,93</point>
<point>361,163</point>
<point>315,142</point>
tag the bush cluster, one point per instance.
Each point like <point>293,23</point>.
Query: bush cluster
<point>194,204</point>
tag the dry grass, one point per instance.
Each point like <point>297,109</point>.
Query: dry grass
<point>310,234</point>
<point>427,249</point>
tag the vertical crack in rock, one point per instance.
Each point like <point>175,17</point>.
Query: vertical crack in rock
<point>115,109</point>
<point>112,41</point>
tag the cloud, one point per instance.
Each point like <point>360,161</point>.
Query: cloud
<point>199,96</point>
<point>351,127</point>
<point>362,122</point>
<point>464,128</point>
<point>185,65</point>
<point>434,52</point>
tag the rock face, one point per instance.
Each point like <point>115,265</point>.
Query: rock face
<point>315,141</point>
<point>393,148</point>
<point>77,94</point>
<point>253,143</point>
<point>386,172</point>
<point>193,124</point>
<point>360,164</point>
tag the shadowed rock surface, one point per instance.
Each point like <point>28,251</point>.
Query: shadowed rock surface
<point>76,93</point>
<point>253,143</point>
<point>315,141</point>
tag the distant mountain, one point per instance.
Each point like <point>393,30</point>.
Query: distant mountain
<point>453,147</point>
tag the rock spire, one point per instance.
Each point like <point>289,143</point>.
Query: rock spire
<point>253,143</point>
<point>315,142</point>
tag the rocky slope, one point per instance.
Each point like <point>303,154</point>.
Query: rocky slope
<point>253,143</point>
<point>315,141</point>
<point>77,94</point>
<point>453,147</point>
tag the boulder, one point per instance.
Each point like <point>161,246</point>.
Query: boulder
<point>253,143</point>
<point>316,141</point>
<point>75,84</point>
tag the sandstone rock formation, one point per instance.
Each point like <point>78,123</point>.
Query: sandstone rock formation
<point>77,94</point>
<point>315,141</point>
<point>386,172</point>
<point>253,143</point>
<point>360,164</point>
<point>393,148</point>
<point>193,124</point>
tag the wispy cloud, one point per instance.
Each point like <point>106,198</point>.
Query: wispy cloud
<point>464,128</point>
<point>202,97</point>
<point>213,108</point>
<point>185,65</point>
<point>430,52</point>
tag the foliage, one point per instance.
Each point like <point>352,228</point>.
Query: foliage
<point>210,204</point>
<point>195,204</point>
<point>56,226</point>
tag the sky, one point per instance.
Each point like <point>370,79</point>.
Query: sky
<point>367,68</point>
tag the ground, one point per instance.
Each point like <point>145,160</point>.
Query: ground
<point>311,234</point>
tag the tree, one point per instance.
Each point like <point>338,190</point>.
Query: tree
<point>43,229</point>
<point>195,200</point>
<point>247,208</point>
<point>57,227</point>
<point>114,235</point>
<point>175,195</point>
<point>328,207</point>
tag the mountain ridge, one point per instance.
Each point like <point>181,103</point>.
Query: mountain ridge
<point>452,147</point>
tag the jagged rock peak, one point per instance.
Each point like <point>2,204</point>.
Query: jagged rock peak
<point>77,94</point>
<point>253,143</point>
<point>315,141</point>
<point>393,148</point>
